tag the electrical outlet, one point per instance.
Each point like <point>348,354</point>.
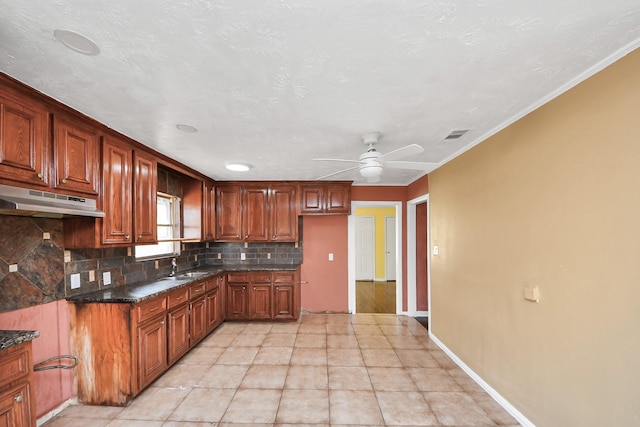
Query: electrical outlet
<point>75,281</point>
<point>46,235</point>
<point>196,257</point>
<point>269,256</point>
<point>219,256</point>
<point>67,256</point>
<point>330,257</point>
<point>92,275</point>
<point>129,251</point>
<point>13,268</point>
<point>106,278</point>
<point>243,256</point>
<point>156,264</point>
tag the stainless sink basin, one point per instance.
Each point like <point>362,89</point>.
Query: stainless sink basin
<point>192,274</point>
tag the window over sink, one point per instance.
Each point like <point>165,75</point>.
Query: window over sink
<point>169,208</point>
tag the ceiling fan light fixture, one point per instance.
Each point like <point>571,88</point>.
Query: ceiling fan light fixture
<point>371,169</point>
<point>237,167</point>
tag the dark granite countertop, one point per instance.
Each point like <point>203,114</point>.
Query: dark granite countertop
<point>9,338</point>
<point>137,292</point>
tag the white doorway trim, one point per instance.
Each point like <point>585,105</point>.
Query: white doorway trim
<point>351,248</point>
<point>412,302</point>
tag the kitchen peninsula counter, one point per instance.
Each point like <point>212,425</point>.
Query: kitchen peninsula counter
<point>10,338</point>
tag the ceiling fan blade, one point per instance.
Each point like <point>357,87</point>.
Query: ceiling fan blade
<point>337,160</point>
<point>399,164</point>
<point>336,173</point>
<point>409,150</point>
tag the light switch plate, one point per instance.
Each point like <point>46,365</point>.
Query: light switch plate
<point>106,278</point>
<point>330,257</point>
<point>436,250</point>
<point>13,268</point>
<point>243,256</point>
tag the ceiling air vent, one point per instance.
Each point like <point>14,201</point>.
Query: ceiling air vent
<point>455,134</point>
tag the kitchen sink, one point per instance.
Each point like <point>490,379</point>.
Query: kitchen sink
<point>192,274</point>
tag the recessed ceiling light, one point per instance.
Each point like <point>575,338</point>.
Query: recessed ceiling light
<point>186,128</point>
<point>238,167</point>
<point>77,42</point>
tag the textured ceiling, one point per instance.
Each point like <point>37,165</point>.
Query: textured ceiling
<point>276,83</point>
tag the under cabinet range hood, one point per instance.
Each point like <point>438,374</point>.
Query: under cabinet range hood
<point>38,203</point>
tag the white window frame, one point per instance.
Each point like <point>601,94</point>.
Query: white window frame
<point>168,233</point>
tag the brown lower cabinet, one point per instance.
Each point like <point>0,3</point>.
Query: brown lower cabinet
<point>122,348</point>
<point>16,385</point>
<point>261,295</point>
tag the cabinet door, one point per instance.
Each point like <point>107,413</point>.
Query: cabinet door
<point>198,314</point>
<point>152,351</point>
<point>283,302</point>
<point>237,301</point>
<point>311,199</point>
<point>260,301</point>
<point>145,205</point>
<point>255,219</point>
<point>76,155</point>
<point>283,218</point>
<point>337,199</point>
<point>117,226</point>
<point>15,407</point>
<point>284,295</point>
<point>213,309</point>
<point>209,212</point>
<point>229,213</point>
<point>24,141</point>
<point>178,333</point>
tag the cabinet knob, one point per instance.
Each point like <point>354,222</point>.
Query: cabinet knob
<point>274,236</point>
<point>254,288</point>
<point>63,180</point>
<point>18,398</point>
<point>126,237</point>
<point>162,322</point>
<point>139,236</point>
<point>40,175</point>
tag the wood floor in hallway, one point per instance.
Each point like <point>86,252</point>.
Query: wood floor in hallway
<point>375,297</point>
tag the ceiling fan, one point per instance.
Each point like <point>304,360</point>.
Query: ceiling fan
<point>372,162</point>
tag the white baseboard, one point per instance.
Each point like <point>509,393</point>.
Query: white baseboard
<point>482,383</point>
<point>46,417</point>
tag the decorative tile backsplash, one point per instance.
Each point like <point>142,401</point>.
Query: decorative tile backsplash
<point>35,245</point>
<point>33,248</point>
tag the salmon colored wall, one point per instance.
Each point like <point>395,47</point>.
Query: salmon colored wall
<point>52,387</point>
<point>379,217</point>
<point>327,281</point>
<point>379,193</point>
<point>418,188</point>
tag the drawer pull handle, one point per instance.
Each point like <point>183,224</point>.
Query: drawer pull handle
<point>18,398</point>
<point>180,297</point>
<point>153,309</point>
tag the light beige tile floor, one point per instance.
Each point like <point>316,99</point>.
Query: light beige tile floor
<point>324,370</point>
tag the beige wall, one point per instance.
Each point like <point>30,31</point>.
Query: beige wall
<point>552,201</point>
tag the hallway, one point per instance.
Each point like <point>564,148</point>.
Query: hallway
<point>325,370</point>
<point>375,297</point>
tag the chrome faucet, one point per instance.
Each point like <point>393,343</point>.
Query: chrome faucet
<point>174,265</point>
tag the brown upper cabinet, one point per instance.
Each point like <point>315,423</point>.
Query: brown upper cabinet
<point>145,210</point>
<point>256,212</point>
<point>76,153</point>
<point>209,211</point>
<point>325,198</point>
<point>24,140</point>
<point>117,192</point>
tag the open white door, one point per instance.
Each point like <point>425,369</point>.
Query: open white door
<point>390,247</point>
<point>365,249</point>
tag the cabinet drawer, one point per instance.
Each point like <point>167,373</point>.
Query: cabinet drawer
<point>238,277</point>
<point>213,283</point>
<point>14,366</point>
<point>197,289</point>
<point>151,308</point>
<point>260,277</point>
<point>284,276</point>
<point>177,297</point>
